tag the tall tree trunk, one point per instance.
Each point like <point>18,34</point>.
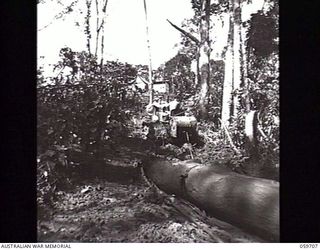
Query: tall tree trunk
<point>198,75</point>
<point>237,60</point>
<point>228,76</point>
<point>151,93</point>
<point>244,53</point>
<point>87,25</point>
<point>102,48</point>
<point>204,59</point>
<point>98,30</point>
<point>104,12</point>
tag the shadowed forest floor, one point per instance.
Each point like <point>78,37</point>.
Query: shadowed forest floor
<point>110,201</point>
<point>113,212</point>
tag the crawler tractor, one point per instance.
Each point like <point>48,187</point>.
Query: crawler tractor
<point>167,120</point>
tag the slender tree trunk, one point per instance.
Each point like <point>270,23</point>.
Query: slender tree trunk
<point>98,30</point>
<point>244,52</point>
<point>104,12</point>
<point>87,23</point>
<point>151,93</point>
<point>198,75</point>
<point>237,60</point>
<point>228,77</point>
<point>102,47</point>
<point>204,59</point>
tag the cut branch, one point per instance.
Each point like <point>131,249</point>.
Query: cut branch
<point>98,29</point>
<point>185,33</point>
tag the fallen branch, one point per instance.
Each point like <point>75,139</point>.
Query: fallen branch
<point>229,137</point>
<point>262,133</point>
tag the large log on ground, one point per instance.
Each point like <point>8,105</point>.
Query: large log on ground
<point>247,202</point>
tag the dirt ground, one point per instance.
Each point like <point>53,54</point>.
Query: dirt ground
<point>103,211</point>
<point>113,202</point>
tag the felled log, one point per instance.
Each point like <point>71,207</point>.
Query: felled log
<point>247,202</point>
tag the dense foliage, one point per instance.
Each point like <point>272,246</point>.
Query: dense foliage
<point>178,72</point>
<point>78,117</point>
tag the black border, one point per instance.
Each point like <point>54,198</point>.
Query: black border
<point>299,129</point>
<point>18,114</point>
<point>300,106</point>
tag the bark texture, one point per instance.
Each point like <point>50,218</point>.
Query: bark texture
<point>247,202</point>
